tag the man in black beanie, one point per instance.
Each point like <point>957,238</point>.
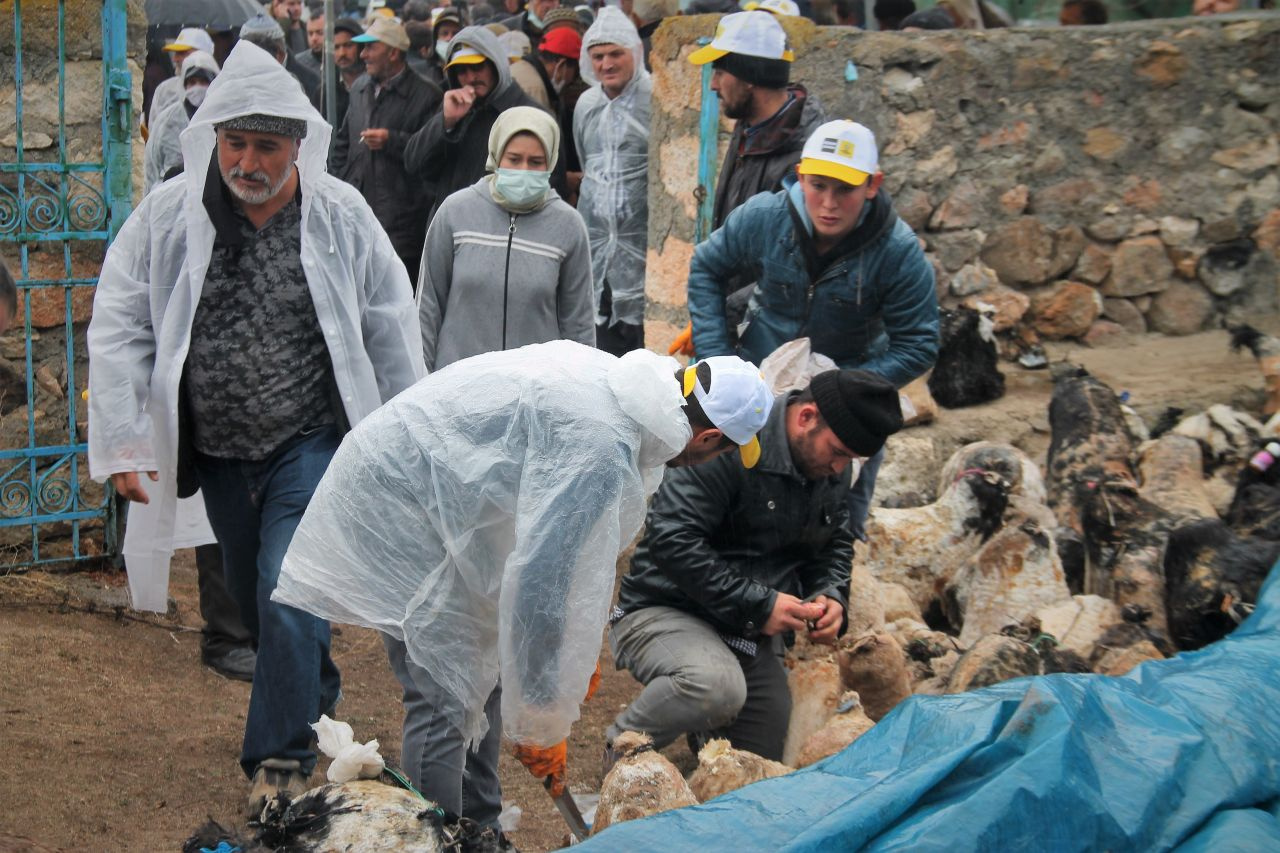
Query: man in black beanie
<point>774,116</point>
<point>734,560</point>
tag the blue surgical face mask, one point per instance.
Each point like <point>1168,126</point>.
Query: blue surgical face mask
<point>522,186</point>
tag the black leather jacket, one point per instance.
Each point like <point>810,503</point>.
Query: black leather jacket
<point>721,541</point>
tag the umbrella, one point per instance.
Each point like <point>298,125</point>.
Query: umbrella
<point>212,14</point>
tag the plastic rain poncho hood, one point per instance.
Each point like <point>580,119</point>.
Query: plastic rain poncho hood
<point>150,285</point>
<point>478,517</point>
<point>612,138</point>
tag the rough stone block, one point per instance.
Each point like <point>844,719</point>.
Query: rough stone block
<point>1162,65</point>
<point>1066,311</point>
<point>1105,144</point>
<point>956,248</point>
<point>1028,252</point>
<point>1139,266</point>
<point>1014,201</point>
<point>965,207</point>
<point>1093,265</point>
<point>1184,145</point>
<point>911,129</point>
<point>973,278</point>
<point>914,206</point>
<point>1110,228</point>
<point>1070,200</point>
<point>1177,231</point>
<point>1251,157</point>
<point>940,167</point>
<point>1010,305</point>
<point>1105,333</point>
<point>1146,195</point>
<point>1125,314</point>
<point>1267,234</point>
<point>1186,262</point>
<point>1182,308</point>
<point>678,169</point>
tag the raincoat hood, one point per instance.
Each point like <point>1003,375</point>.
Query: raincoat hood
<point>252,82</point>
<point>485,42</point>
<point>613,27</point>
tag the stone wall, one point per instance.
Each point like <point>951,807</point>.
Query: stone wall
<point>1089,182</point>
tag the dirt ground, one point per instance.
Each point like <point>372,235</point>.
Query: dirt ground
<point>116,738</point>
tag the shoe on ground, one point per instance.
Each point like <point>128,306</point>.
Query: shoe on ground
<point>274,777</point>
<point>237,663</point>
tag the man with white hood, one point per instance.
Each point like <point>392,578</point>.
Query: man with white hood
<point>246,316</point>
<point>611,133</point>
<point>477,519</point>
<point>169,92</point>
<point>163,153</point>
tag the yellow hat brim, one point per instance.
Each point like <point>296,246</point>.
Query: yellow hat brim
<point>750,452</point>
<point>178,48</point>
<point>472,59</point>
<point>827,169</point>
<point>706,54</point>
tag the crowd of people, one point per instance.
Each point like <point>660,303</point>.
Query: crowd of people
<point>402,359</point>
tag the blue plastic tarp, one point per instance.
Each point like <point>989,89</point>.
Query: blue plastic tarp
<point>1184,751</point>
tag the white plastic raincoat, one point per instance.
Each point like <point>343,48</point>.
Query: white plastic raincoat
<point>150,285</point>
<point>612,137</point>
<point>478,517</point>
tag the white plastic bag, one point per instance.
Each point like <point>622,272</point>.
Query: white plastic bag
<point>351,760</point>
<point>792,365</point>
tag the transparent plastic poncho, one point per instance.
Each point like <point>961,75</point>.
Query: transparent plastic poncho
<point>612,139</point>
<point>478,518</point>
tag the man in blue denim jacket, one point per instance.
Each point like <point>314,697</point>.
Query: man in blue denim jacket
<point>832,262</point>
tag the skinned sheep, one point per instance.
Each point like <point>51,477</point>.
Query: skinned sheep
<point>1171,469</point>
<point>813,679</point>
<point>641,783</point>
<point>875,667</point>
<point>849,723</point>
<point>722,769</point>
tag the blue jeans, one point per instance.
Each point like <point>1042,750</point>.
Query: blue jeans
<point>864,488</point>
<point>253,508</point>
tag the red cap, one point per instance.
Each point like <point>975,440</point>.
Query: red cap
<point>562,41</point>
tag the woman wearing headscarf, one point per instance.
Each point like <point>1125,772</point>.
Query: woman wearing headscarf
<point>506,261</point>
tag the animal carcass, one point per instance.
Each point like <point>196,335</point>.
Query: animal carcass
<point>722,769</point>
<point>641,783</point>
<point>965,373</point>
<point>814,681</point>
<point>849,723</point>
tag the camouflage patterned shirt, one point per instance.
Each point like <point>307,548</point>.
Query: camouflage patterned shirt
<point>258,370</point>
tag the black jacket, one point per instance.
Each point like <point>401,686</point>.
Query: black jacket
<point>721,541</point>
<point>760,164</point>
<point>404,107</point>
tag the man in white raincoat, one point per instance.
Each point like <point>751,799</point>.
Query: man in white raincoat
<point>246,314</point>
<point>477,519</point>
<point>611,132</point>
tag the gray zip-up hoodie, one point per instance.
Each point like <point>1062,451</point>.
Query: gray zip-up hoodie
<point>494,280</point>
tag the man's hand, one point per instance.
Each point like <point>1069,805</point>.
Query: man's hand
<point>790,614</point>
<point>543,762</point>
<point>127,485</point>
<point>375,138</point>
<point>826,626</point>
<point>457,103</point>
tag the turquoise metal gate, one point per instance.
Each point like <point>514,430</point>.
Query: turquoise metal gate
<point>65,188</point>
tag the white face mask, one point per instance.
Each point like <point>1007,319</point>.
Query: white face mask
<point>195,95</point>
<point>557,82</point>
<point>442,49</point>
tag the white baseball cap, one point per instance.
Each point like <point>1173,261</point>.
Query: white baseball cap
<point>749,34</point>
<point>777,7</point>
<point>738,402</point>
<point>191,38</point>
<point>841,149</point>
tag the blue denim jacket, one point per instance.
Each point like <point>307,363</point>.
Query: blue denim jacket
<point>875,308</point>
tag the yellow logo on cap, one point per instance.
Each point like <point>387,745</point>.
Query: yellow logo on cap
<point>845,149</point>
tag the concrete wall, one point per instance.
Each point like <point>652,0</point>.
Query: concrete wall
<point>1089,182</point>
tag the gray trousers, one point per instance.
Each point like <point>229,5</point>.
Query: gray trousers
<point>432,752</point>
<point>695,683</point>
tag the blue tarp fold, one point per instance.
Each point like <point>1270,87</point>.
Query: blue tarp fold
<point>1182,753</point>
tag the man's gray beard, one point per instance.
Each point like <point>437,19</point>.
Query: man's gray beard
<point>251,196</point>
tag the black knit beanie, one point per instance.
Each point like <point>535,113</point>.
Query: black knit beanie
<point>769,73</point>
<point>861,408</point>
